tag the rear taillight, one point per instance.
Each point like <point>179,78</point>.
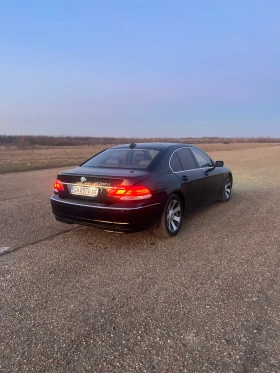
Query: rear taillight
<point>125,193</point>
<point>58,186</point>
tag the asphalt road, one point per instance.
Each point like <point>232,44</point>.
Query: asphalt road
<point>76,299</point>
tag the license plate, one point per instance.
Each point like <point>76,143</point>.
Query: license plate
<point>84,191</point>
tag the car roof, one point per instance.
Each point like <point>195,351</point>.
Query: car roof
<point>151,145</point>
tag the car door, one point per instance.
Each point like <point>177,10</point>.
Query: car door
<point>213,176</point>
<point>183,165</point>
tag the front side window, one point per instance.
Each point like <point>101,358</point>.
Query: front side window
<point>123,158</point>
<point>186,159</point>
<point>202,159</point>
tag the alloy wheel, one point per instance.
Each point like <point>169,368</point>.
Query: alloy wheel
<point>173,216</point>
<point>227,189</point>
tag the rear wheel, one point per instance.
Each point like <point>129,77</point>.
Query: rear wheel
<point>227,190</point>
<point>171,218</point>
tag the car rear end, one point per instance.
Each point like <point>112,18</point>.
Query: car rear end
<point>111,197</point>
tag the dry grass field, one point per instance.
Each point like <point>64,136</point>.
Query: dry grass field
<point>13,159</point>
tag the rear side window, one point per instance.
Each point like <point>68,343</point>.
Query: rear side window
<point>202,159</point>
<point>186,159</point>
<point>123,158</point>
<point>175,164</point>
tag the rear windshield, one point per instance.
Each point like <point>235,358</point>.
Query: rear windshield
<point>123,158</point>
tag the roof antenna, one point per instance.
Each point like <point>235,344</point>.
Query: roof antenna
<point>132,146</point>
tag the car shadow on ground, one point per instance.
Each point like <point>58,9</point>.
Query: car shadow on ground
<point>207,219</point>
<point>148,236</point>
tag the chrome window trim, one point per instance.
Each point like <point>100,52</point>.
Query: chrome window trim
<point>177,172</point>
<point>102,207</point>
<point>192,169</point>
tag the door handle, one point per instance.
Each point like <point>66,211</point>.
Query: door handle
<point>206,173</point>
<point>184,177</point>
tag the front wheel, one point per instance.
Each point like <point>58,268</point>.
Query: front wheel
<point>171,218</point>
<point>227,190</point>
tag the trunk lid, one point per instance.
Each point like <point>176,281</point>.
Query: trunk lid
<point>100,178</point>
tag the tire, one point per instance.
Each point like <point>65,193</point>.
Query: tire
<point>227,190</point>
<point>171,219</point>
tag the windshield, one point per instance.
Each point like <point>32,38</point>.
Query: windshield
<point>123,158</point>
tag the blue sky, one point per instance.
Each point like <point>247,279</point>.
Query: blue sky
<point>140,68</point>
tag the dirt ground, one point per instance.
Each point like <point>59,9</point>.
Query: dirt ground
<point>13,159</point>
<point>76,299</point>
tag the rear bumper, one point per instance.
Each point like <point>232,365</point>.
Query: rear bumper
<point>124,218</point>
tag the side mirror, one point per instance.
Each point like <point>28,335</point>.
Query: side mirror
<point>219,164</point>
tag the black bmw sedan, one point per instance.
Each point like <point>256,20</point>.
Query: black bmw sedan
<point>131,187</point>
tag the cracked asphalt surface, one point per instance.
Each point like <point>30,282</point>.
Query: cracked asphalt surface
<point>76,299</point>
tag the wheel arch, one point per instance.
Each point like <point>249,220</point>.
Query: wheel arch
<point>231,178</point>
<point>179,194</point>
